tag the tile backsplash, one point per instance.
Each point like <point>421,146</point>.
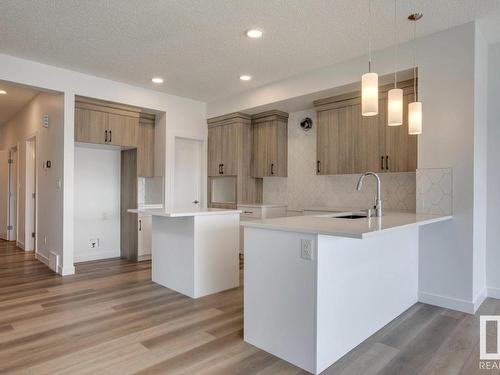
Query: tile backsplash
<point>435,191</point>
<point>303,188</point>
<point>149,190</point>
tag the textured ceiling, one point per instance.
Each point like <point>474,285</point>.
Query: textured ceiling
<point>199,47</point>
<point>15,99</point>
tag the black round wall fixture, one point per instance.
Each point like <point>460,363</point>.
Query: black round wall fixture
<point>306,124</point>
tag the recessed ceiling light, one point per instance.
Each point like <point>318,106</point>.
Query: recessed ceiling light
<point>245,77</point>
<point>157,80</point>
<point>3,92</point>
<point>254,33</point>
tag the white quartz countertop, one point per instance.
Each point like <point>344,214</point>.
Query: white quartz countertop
<point>182,213</point>
<point>329,225</point>
<point>261,205</point>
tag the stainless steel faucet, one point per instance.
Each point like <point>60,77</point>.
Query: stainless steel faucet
<point>378,201</point>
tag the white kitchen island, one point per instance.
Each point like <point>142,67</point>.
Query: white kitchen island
<point>317,286</point>
<point>195,252</point>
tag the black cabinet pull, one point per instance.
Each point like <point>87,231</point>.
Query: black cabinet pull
<point>106,136</point>
<point>382,162</point>
<point>140,225</point>
<point>387,162</point>
<point>318,167</point>
<point>272,168</point>
<point>220,168</point>
<point>110,136</point>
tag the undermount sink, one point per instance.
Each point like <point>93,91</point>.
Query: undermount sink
<point>351,216</point>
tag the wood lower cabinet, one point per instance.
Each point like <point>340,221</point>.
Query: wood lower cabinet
<point>270,144</point>
<point>348,142</point>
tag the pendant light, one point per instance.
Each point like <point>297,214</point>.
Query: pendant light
<point>415,108</point>
<point>369,81</point>
<point>395,95</point>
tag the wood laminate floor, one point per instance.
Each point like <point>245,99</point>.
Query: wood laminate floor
<point>110,318</point>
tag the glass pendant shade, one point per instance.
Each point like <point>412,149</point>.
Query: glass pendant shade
<point>369,94</point>
<point>395,107</point>
<point>415,118</point>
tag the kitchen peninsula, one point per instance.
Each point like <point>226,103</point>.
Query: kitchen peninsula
<point>317,286</point>
<point>195,252</point>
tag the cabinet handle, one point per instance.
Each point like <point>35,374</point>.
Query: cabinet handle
<point>110,136</point>
<point>140,225</point>
<point>247,212</point>
<point>318,167</point>
<point>387,162</point>
<point>382,162</point>
<point>272,168</point>
<point>105,136</point>
<point>222,169</point>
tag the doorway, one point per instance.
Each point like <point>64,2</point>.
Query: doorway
<point>12,196</point>
<point>188,173</point>
<point>30,196</point>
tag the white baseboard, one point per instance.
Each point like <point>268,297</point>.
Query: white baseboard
<point>494,293</point>
<point>481,296</point>
<point>20,245</point>
<point>42,258</point>
<point>96,255</point>
<point>448,302</point>
<point>65,271</point>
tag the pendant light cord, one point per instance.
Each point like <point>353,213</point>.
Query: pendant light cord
<point>395,45</point>
<point>369,35</point>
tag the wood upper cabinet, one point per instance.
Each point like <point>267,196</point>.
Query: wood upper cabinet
<point>122,130</point>
<point>90,126</point>
<point>223,150</point>
<point>270,144</point>
<point>146,147</point>
<point>348,142</point>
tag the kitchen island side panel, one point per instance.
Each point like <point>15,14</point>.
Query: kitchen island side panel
<point>362,286</point>
<point>280,295</point>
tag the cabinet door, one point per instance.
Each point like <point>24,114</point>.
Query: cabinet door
<point>401,147</point>
<point>277,138</point>
<point>229,149</point>
<point>260,139</point>
<point>365,141</point>
<point>335,142</point>
<point>145,149</point>
<point>214,150</point>
<point>122,130</point>
<point>90,126</point>
<point>144,238</point>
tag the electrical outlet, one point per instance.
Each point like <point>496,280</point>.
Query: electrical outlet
<point>94,242</point>
<point>306,249</point>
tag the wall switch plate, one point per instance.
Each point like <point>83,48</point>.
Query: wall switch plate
<point>306,249</point>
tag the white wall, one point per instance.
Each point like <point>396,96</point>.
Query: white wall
<point>26,124</point>
<point>97,203</point>
<point>183,117</point>
<point>493,227</point>
<point>450,252</point>
<point>304,189</point>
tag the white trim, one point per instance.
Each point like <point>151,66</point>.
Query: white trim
<point>481,296</point>
<point>494,293</point>
<point>447,302</point>
<point>96,255</point>
<point>66,271</point>
<point>42,258</point>
<point>20,245</point>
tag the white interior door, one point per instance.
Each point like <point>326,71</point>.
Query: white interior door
<point>30,207</point>
<point>12,194</point>
<point>4,193</point>
<point>188,173</point>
